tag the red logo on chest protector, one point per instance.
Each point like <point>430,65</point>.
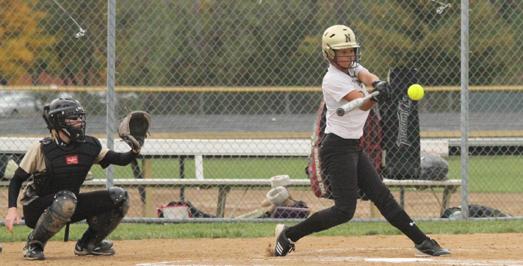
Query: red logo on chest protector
<point>71,159</point>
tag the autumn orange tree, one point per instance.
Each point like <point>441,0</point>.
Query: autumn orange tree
<point>22,39</point>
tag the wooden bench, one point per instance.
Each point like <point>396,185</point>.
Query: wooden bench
<point>225,185</point>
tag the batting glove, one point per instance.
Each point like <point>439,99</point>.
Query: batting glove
<point>384,88</point>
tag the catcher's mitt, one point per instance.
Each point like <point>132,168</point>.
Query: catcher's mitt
<point>134,128</point>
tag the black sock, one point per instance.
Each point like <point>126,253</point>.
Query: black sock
<point>317,222</point>
<point>403,222</point>
<point>86,237</point>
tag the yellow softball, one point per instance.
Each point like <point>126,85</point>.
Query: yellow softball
<point>415,92</point>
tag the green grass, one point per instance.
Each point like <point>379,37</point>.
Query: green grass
<point>221,168</point>
<point>491,173</point>
<point>253,230</point>
<point>486,173</point>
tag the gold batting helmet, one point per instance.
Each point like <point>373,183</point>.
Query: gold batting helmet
<point>338,37</point>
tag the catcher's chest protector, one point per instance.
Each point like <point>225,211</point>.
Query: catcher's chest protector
<point>370,142</point>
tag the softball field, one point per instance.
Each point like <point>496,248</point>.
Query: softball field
<point>471,249</point>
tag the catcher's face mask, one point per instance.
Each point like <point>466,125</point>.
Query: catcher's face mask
<point>75,127</point>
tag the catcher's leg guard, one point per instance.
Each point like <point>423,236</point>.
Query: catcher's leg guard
<point>100,226</point>
<point>50,222</point>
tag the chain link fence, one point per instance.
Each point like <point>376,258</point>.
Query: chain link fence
<point>234,87</point>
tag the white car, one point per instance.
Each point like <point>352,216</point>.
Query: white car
<point>14,104</point>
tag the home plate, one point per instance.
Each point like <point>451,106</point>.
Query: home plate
<point>397,260</point>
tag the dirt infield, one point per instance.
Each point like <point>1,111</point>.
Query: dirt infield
<point>475,249</point>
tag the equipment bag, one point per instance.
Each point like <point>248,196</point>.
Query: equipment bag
<point>181,210</point>
<point>319,184</point>
<point>433,167</point>
<point>475,211</point>
<point>401,128</point>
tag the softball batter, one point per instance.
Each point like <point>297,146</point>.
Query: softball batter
<point>342,161</point>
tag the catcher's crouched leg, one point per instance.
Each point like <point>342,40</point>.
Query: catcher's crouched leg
<point>100,226</point>
<point>52,220</point>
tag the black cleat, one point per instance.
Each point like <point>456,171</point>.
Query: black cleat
<point>33,251</point>
<point>104,248</point>
<point>283,245</point>
<point>429,247</point>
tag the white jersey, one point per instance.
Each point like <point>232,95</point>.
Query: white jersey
<point>336,84</point>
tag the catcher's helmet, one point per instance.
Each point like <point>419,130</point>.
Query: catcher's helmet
<point>339,37</point>
<point>60,109</point>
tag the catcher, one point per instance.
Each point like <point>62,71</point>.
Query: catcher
<point>55,169</point>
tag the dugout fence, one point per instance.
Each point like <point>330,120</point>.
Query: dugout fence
<point>237,70</point>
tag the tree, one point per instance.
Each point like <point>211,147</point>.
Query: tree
<point>23,40</point>
<point>77,61</point>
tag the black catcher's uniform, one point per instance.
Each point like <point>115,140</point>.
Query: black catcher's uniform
<point>55,170</point>
<point>67,169</point>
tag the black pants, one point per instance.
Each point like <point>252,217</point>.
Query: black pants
<point>89,204</point>
<point>348,168</point>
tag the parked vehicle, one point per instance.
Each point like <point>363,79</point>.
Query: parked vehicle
<point>20,103</point>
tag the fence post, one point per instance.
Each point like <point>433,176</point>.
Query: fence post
<point>110,95</point>
<point>464,123</point>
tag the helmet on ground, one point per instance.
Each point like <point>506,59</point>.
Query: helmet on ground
<point>338,37</point>
<point>60,109</point>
